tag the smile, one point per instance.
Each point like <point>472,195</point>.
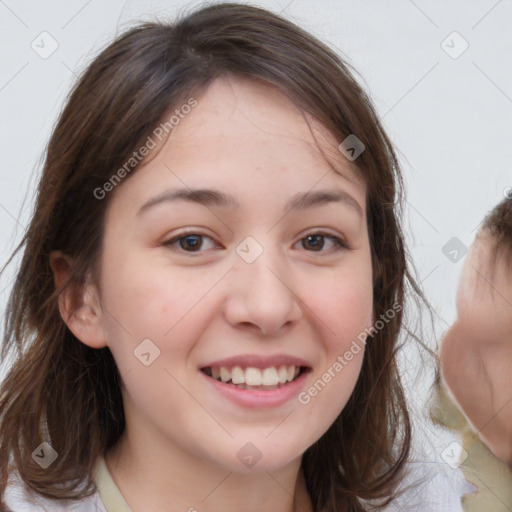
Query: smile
<point>273,377</point>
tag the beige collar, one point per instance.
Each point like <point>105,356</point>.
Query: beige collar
<point>109,492</point>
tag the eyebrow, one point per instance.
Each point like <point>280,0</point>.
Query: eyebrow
<point>210,197</point>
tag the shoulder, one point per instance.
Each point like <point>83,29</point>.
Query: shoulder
<point>431,486</point>
<point>20,498</point>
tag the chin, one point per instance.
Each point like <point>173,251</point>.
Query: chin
<point>258,456</point>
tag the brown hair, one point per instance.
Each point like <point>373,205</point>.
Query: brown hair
<point>67,393</point>
<point>498,224</point>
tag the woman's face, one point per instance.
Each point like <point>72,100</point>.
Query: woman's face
<point>265,275</point>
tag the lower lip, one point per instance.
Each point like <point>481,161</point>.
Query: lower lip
<point>257,399</point>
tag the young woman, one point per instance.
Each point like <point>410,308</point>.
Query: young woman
<point>207,310</point>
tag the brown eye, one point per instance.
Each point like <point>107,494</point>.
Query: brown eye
<point>315,242</point>
<point>190,242</point>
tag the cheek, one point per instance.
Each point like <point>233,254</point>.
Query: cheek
<point>345,313</point>
<point>170,306</point>
<point>344,310</point>
<point>344,304</point>
<point>151,329</point>
<point>150,300</point>
<point>349,306</point>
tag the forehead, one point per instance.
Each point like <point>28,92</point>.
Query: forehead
<point>247,138</point>
<point>236,114</point>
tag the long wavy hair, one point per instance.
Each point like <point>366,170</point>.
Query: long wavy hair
<point>66,393</point>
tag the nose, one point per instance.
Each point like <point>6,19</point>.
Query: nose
<point>261,296</point>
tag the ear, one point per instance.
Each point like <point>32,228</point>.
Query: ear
<point>79,304</point>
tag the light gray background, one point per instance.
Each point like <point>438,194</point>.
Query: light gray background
<point>450,118</point>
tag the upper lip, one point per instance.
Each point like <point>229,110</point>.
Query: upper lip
<point>258,361</point>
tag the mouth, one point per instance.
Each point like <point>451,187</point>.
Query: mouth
<point>257,379</point>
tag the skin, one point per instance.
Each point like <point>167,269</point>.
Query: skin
<point>476,352</point>
<point>182,437</point>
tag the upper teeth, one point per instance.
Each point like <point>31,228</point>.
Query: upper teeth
<point>255,376</point>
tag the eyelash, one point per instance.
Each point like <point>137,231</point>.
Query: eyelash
<point>340,244</point>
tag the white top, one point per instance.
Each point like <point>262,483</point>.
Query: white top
<point>440,490</point>
<point>107,497</point>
